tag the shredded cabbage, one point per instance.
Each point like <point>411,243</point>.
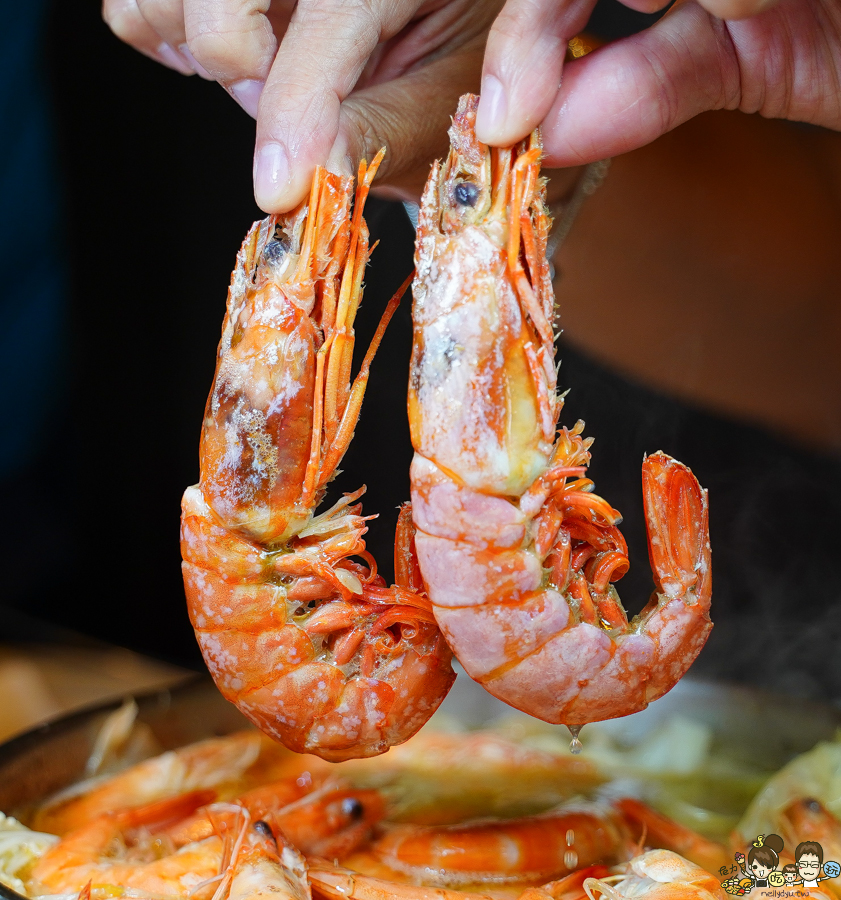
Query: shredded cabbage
<point>20,847</point>
<point>677,768</point>
<point>112,737</point>
<point>816,773</point>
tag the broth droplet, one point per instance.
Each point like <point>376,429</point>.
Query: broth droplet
<point>575,744</point>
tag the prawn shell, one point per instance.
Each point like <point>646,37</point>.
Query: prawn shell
<point>517,553</point>
<point>295,625</point>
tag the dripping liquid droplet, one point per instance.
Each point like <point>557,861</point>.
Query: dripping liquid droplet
<point>575,745</point>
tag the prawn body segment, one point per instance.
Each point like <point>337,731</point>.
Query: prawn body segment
<point>292,619</point>
<point>527,849</point>
<point>518,554</point>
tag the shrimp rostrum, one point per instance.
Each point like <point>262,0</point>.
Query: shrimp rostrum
<point>294,623</point>
<point>518,554</point>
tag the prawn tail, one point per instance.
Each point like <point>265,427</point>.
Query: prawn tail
<point>677,616</point>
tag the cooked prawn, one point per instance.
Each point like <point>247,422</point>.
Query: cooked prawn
<point>657,875</point>
<point>229,765</point>
<point>660,832</point>
<point>97,853</point>
<point>337,883</point>
<point>802,799</point>
<point>267,867</point>
<point>440,778</point>
<point>331,820</point>
<point>527,849</point>
<point>293,621</point>
<point>809,819</point>
<point>119,851</point>
<point>517,553</point>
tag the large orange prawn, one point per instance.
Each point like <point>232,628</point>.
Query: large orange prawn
<point>517,553</point>
<point>293,621</point>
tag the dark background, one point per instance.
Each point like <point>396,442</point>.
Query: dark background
<point>155,174</point>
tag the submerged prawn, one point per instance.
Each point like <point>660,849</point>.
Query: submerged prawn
<point>657,875</point>
<point>498,851</point>
<point>337,883</point>
<point>225,765</point>
<point>654,875</point>
<point>243,859</point>
<point>809,817</point>
<point>310,644</point>
<point>517,553</point>
<point>332,820</point>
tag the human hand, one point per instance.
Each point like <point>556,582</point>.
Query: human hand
<point>782,62</point>
<point>329,81</point>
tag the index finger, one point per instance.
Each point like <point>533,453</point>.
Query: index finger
<point>321,57</point>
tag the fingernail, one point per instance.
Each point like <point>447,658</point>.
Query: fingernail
<point>174,59</point>
<point>247,94</point>
<point>271,174</point>
<point>493,109</point>
<point>198,68</point>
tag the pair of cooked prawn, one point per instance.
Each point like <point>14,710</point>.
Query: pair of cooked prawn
<point>510,559</point>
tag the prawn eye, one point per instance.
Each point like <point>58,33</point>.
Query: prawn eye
<point>352,808</point>
<point>466,193</point>
<point>276,249</point>
<point>263,828</point>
